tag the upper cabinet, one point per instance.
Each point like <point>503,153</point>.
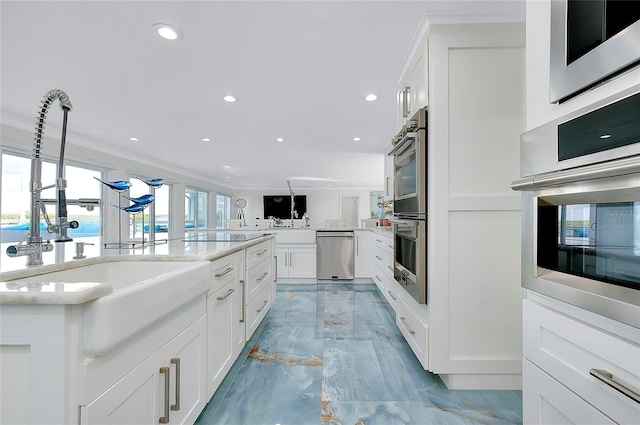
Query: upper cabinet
<point>413,91</point>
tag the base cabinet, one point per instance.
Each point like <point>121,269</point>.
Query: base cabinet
<point>168,387</point>
<point>362,254</point>
<point>296,262</point>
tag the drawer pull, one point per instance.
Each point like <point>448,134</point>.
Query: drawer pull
<point>226,295</point>
<point>176,361</point>
<point>264,251</point>
<point>393,298</point>
<point>390,268</point>
<point>379,240</point>
<point>390,246</point>
<point>378,277</point>
<point>263,306</point>
<point>243,309</point>
<point>263,276</point>
<point>379,258</point>
<point>607,378</point>
<point>412,332</point>
<point>165,419</point>
<point>219,275</point>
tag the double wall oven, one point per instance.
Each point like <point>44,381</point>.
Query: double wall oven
<point>581,208</point>
<point>410,206</point>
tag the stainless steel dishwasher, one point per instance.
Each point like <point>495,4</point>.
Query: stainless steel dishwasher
<point>334,254</point>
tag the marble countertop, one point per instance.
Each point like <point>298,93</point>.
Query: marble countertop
<point>195,246</point>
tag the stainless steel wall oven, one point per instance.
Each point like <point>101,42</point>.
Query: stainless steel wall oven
<point>410,206</point>
<point>581,212</point>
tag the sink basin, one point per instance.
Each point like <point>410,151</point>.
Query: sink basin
<point>143,293</point>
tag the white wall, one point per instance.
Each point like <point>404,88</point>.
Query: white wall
<point>539,110</point>
<point>321,204</point>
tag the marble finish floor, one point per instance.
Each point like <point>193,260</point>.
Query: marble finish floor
<point>331,354</point>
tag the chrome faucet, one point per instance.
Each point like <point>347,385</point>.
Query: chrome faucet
<point>32,244</point>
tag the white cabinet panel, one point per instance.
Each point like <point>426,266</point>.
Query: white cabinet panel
<point>169,384</point>
<point>362,256</point>
<point>296,261</point>
<point>415,331</point>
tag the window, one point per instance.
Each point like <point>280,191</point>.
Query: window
<point>159,207</point>
<point>223,207</point>
<point>16,198</point>
<point>195,208</point>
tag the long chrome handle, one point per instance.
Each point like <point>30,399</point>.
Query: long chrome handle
<point>290,260</point>
<point>275,266</point>
<point>176,361</point>
<point>263,276</point>
<point>229,292</point>
<point>406,101</point>
<point>607,378</point>
<point>263,306</point>
<point>262,252</point>
<point>286,260</point>
<point>227,271</point>
<point>165,419</point>
<point>242,308</point>
<point>393,298</point>
<point>412,332</point>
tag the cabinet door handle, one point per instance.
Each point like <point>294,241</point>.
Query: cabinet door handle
<point>275,257</point>
<point>263,276</point>
<point>406,101</point>
<point>290,260</point>
<point>229,292</point>
<point>412,332</point>
<point>379,258</point>
<point>242,307</point>
<point>607,378</point>
<point>176,361</point>
<point>165,419</point>
<point>262,252</point>
<point>286,260</point>
<point>227,271</point>
<point>263,306</point>
<point>393,298</point>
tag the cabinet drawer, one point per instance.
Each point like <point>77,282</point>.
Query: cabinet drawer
<point>415,331</point>
<point>223,271</point>
<point>568,349</point>
<point>383,260</point>
<point>546,401</point>
<point>257,253</point>
<point>257,309</point>
<point>257,278</point>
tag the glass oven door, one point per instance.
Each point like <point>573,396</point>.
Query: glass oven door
<point>410,258</point>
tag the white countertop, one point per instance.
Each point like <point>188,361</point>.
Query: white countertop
<point>12,291</point>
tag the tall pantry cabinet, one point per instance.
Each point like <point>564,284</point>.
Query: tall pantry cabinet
<point>473,87</point>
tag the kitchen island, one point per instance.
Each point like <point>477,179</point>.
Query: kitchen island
<point>129,337</point>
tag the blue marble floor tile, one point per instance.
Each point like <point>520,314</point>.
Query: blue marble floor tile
<point>331,353</point>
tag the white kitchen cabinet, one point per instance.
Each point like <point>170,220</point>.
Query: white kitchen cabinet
<point>561,350</point>
<point>362,257</point>
<point>414,329</point>
<point>413,89</point>
<point>389,174</point>
<point>225,325</point>
<point>168,387</point>
<point>259,285</point>
<point>296,261</point>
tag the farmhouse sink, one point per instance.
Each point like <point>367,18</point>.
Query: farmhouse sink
<point>143,293</point>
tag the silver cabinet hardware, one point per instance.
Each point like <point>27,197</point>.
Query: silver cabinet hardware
<point>390,246</point>
<point>412,332</point>
<point>406,101</point>
<point>165,419</point>
<point>242,287</point>
<point>290,260</point>
<point>392,297</point>
<point>263,306</point>
<point>227,271</point>
<point>229,292</point>
<point>262,252</point>
<point>176,361</point>
<point>263,276</point>
<point>378,277</point>
<point>390,268</point>
<point>379,258</point>
<point>379,240</point>
<point>607,378</point>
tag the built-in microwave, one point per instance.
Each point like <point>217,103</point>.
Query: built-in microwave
<point>410,168</point>
<point>590,42</point>
<point>581,208</point>
<point>410,259</point>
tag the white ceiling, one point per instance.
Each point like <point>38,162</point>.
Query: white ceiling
<point>300,70</point>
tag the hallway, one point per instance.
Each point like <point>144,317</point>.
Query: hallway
<point>331,354</point>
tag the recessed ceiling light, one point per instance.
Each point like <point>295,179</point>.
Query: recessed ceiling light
<point>605,136</point>
<point>356,139</point>
<point>370,97</point>
<point>206,140</point>
<point>167,31</point>
<point>229,98</point>
<point>279,139</point>
<point>133,139</point>
<point>226,177</point>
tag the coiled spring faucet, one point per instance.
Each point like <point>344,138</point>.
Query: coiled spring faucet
<point>32,244</point>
